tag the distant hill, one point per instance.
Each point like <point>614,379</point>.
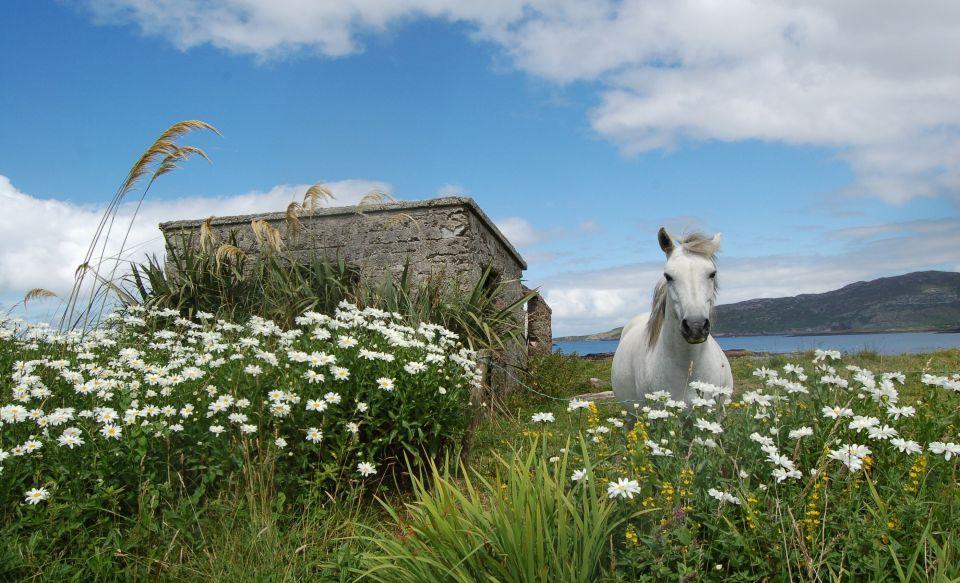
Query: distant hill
<point>924,300</point>
<point>608,335</point>
<point>920,301</point>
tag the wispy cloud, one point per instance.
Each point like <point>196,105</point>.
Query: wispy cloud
<point>452,190</point>
<point>523,234</point>
<point>869,79</point>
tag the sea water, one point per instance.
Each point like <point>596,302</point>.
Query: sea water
<point>887,343</point>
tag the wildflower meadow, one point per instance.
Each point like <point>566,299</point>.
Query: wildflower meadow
<point>827,468</point>
<point>140,428</point>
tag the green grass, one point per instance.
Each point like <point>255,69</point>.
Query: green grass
<point>522,524</point>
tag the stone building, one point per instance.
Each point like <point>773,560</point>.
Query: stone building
<point>451,237</point>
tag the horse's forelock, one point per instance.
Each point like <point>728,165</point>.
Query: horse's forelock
<point>699,244</point>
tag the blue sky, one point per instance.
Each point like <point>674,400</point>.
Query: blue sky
<point>579,146</point>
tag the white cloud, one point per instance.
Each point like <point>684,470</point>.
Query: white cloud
<point>520,232</point>
<point>274,28</point>
<point>870,78</point>
<point>451,190</point>
<point>42,241</point>
<point>595,300</point>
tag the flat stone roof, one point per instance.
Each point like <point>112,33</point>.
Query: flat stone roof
<point>446,201</point>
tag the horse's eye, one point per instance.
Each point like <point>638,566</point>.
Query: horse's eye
<point>712,275</point>
<point>667,277</point>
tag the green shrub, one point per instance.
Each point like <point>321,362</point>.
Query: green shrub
<point>560,375</point>
<point>528,523</point>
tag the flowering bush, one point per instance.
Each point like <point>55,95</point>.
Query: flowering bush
<point>155,399</point>
<point>835,470</point>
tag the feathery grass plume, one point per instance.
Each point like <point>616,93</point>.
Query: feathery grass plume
<point>228,251</point>
<point>266,234</point>
<point>206,235</point>
<point>316,193</point>
<point>162,149</point>
<point>38,293</point>
<point>178,154</point>
<point>159,159</point>
<point>292,219</point>
<point>373,198</point>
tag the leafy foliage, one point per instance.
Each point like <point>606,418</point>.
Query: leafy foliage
<point>524,524</point>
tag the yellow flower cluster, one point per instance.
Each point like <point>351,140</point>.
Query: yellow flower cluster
<point>916,474</point>
<point>593,415</point>
<point>642,465</point>
<point>751,513</point>
<point>537,433</point>
<point>638,434</point>
<point>811,519</point>
<point>631,536</point>
<point>685,492</point>
<point>667,493</point>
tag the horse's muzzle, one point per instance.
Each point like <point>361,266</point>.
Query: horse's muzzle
<point>695,331</point>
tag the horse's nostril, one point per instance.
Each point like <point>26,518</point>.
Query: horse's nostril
<point>697,328</point>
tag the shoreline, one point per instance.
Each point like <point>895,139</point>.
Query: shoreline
<point>730,352</point>
<point>785,335</point>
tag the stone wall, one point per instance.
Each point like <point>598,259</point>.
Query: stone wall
<point>450,237</point>
<point>444,235</point>
<point>539,326</point>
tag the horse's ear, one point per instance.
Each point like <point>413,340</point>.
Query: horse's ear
<point>716,242</point>
<point>666,242</point>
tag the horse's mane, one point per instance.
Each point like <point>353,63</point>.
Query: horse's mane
<point>696,243</point>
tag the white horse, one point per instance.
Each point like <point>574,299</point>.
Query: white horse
<point>672,347</point>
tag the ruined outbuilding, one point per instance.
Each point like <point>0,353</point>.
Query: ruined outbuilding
<point>448,236</point>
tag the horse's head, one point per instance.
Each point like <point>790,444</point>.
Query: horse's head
<point>690,280</point>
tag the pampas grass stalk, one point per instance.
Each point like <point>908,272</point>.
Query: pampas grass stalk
<point>160,158</point>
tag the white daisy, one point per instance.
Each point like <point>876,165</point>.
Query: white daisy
<point>623,488</point>
<point>542,418</point>
<point>36,495</point>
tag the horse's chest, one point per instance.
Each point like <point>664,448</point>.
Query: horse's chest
<point>676,377</point>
